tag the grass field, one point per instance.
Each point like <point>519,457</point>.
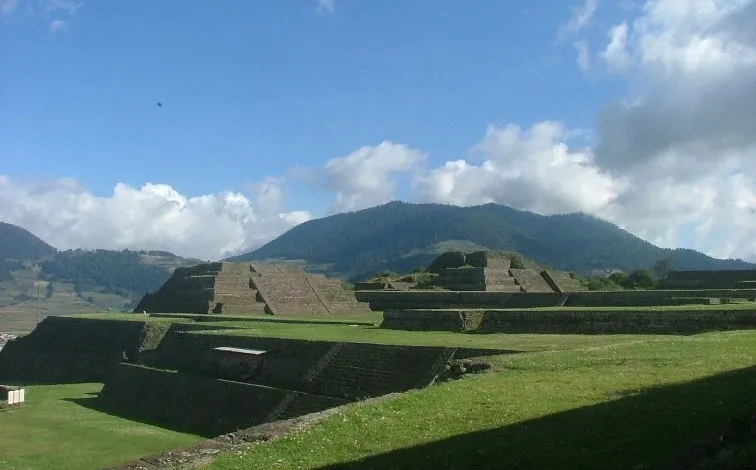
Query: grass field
<point>585,401</point>
<point>637,404</point>
<point>53,431</point>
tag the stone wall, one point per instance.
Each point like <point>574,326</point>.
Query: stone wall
<point>725,279</point>
<point>188,290</point>
<point>641,298</point>
<point>356,371</point>
<point>462,279</point>
<point>285,365</point>
<point>576,322</point>
<point>617,322</point>
<point>340,370</point>
<point>183,402</point>
<point>388,300</point>
<point>67,350</point>
<point>439,320</point>
<point>489,259</point>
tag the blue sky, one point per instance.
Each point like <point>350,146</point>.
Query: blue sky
<point>251,90</point>
<point>259,87</point>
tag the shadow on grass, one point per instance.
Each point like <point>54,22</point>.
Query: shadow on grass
<point>639,429</point>
<point>93,403</point>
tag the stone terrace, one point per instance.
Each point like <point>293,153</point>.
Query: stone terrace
<point>253,289</point>
<point>530,280</point>
<point>724,279</point>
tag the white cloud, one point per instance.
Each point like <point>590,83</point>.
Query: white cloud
<point>676,155</point>
<point>328,6</point>
<point>533,170</point>
<point>583,56</point>
<point>58,25</point>
<point>154,216</point>
<point>57,14</point>
<point>365,177</point>
<point>581,17</point>
<point>678,152</point>
<point>615,54</point>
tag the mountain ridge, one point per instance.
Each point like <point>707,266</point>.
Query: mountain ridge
<point>361,243</point>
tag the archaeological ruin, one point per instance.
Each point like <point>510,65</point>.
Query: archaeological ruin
<point>251,289</point>
<point>495,271</point>
<point>156,371</point>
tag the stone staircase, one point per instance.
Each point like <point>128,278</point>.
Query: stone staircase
<point>359,370</point>
<point>500,280</point>
<point>530,280</point>
<point>251,289</point>
<point>232,290</point>
<point>286,291</point>
<point>338,299</point>
<point>298,404</point>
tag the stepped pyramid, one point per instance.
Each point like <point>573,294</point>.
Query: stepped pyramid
<point>492,271</point>
<point>251,289</point>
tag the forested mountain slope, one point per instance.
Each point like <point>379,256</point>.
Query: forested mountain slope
<point>401,236</point>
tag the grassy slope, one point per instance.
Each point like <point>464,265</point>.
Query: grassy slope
<point>53,431</point>
<point>616,405</point>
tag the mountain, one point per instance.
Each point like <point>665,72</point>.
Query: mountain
<point>19,243</point>
<point>401,236</point>
<point>36,277</point>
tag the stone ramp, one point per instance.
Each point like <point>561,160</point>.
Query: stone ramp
<point>562,281</point>
<point>287,291</point>
<point>530,280</point>
<point>338,299</point>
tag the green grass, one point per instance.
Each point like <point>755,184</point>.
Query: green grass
<point>53,431</point>
<point>611,406</point>
<point>371,334</point>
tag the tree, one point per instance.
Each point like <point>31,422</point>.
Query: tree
<point>49,290</point>
<point>621,279</point>
<point>664,266</point>
<point>642,278</point>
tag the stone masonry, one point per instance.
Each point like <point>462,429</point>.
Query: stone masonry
<point>492,271</point>
<point>251,289</point>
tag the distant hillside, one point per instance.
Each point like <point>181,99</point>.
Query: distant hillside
<point>401,236</point>
<point>19,243</point>
<point>34,275</point>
